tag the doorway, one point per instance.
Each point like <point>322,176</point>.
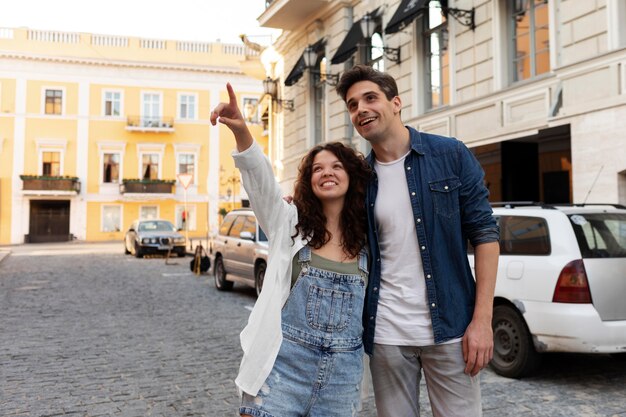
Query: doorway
<point>49,221</point>
<point>533,168</point>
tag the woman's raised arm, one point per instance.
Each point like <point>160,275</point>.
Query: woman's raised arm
<point>258,177</point>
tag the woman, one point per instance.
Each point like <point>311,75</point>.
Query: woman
<point>303,343</point>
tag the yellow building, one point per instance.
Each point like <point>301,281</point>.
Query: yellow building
<point>95,130</point>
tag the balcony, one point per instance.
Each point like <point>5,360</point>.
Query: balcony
<point>150,124</point>
<point>49,185</point>
<point>290,14</point>
<point>134,186</point>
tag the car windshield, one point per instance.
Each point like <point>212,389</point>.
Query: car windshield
<point>156,226</point>
<point>600,235</point>
<point>262,237</point>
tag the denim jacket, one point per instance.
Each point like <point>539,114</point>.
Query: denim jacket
<point>450,207</point>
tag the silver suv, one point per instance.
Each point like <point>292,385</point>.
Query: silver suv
<point>561,283</point>
<point>239,251</point>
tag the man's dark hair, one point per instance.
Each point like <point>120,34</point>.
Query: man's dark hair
<point>366,73</point>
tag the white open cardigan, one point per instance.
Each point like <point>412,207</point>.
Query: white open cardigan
<point>262,337</point>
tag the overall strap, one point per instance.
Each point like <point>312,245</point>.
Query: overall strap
<point>304,257</point>
<point>363,257</point>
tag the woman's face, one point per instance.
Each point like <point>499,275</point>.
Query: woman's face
<point>329,179</point>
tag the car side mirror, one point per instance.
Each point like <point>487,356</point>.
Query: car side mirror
<point>247,235</point>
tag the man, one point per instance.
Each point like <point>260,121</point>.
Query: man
<point>424,311</point>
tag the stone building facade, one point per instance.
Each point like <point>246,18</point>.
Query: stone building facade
<point>536,88</point>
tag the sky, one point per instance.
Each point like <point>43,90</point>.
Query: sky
<point>190,20</point>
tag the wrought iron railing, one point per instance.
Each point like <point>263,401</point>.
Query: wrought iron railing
<point>149,123</point>
<point>50,183</point>
<point>146,186</point>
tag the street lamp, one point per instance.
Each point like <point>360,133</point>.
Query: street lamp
<point>270,87</point>
<point>368,27</point>
<point>231,181</point>
<point>310,59</point>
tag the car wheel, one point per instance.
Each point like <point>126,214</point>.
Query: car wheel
<point>138,253</point>
<point>220,276</point>
<point>259,277</point>
<point>182,254</point>
<point>514,354</point>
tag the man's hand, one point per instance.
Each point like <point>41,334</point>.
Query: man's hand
<point>477,346</point>
<point>230,115</point>
<point>478,338</point>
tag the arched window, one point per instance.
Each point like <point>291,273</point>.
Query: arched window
<point>376,52</point>
<point>436,56</point>
<point>530,38</point>
<point>319,98</point>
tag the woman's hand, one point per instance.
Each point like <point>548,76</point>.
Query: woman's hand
<point>230,115</point>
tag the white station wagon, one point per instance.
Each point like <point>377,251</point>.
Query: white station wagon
<point>561,283</point>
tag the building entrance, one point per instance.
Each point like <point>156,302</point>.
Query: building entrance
<point>533,168</point>
<point>49,221</point>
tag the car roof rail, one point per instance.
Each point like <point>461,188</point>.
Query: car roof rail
<point>513,204</point>
<point>615,205</point>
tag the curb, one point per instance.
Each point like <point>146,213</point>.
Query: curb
<point>4,254</point>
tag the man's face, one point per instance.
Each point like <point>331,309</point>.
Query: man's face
<point>371,113</point>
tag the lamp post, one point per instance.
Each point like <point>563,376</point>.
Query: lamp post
<point>232,180</point>
<point>185,180</point>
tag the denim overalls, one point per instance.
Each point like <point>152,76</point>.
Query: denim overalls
<point>319,367</point>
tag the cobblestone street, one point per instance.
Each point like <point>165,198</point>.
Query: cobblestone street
<point>88,331</point>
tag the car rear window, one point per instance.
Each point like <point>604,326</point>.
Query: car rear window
<point>600,235</point>
<point>521,235</point>
<point>524,235</point>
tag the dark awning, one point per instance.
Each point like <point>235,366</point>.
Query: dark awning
<point>296,72</point>
<point>405,14</point>
<point>349,45</point>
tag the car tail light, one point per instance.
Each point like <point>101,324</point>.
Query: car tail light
<point>572,286</point>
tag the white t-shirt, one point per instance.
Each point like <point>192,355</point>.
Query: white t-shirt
<point>403,316</point>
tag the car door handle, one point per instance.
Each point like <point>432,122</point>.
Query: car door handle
<point>239,244</point>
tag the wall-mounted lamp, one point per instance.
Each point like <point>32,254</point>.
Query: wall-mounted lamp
<point>464,17</point>
<point>270,87</point>
<point>368,27</point>
<point>310,59</point>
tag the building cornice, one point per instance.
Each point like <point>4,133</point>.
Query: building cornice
<point>119,63</point>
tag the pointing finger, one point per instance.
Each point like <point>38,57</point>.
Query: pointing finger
<point>231,95</point>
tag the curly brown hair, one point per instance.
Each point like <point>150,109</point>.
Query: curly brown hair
<point>311,218</point>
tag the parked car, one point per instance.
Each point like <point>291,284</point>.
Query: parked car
<point>153,236</point>
<point>561,283</point>
<point>239,251</point>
